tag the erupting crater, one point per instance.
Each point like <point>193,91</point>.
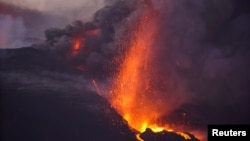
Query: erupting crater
<point>132,90</point>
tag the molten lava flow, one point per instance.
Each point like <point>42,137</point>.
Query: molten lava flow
<point>138,137</point>
<point>184,135</point>
<point>77,45</point>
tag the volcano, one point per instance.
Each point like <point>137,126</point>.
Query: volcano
<point>140,70</point>
<point>43,99</point>
<point>50,108</point>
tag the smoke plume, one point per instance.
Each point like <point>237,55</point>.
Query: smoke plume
<point>24,22</point>
<point>203,50</point>
<point>99,40</point>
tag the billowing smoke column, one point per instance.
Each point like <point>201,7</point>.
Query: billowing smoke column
<point>171,63</point>
<point>92,46</point>
<point>204,56</point>
<point>22,23</point>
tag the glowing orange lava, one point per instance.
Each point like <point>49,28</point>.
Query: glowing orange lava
<point>138,137</point>
<point>184,135</point>
<point>131,97</point>
<point>134,86</point>
<point>78,41</point>
<point>77,45</point>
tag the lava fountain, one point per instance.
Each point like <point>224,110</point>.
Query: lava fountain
<point>131,90</point>
<point>135,86</point>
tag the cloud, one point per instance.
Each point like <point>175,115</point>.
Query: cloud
<point>74,9</point>
<point>12,32</point>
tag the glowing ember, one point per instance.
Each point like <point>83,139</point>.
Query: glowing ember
<point>77,45</point>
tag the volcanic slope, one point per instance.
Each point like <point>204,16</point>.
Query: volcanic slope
<point>44,100</point>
